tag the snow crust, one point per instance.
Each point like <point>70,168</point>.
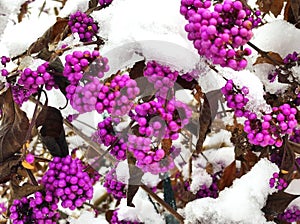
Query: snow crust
<point>239,204</point>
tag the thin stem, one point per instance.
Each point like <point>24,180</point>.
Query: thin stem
<point>32,178</point>
<point>164,204</point>
<point>32,123</point>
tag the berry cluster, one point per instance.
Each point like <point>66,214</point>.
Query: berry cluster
<point>106,135</point>
<point>33,79</point>
<point>291,214</point>
<point>151,159</point>
<point>85,97</point>
<point>81,66</point>
<point>115,219</point>
<point>114,186</point>
<point>41,208</point>
<point>279,122</point>
<point>236,99</point>
<point>289,61</point>
<point>110,97</point>
<point>291,58</point>
<point>3,208</point>
<point>161,76</point>
<point>209,191</point>
<point>218,34</point>
<point>162,119</point>
<point>66,180</point>
<point>20,94</point>
<point>105,2</point>
<point>4,60</point>
<point>277,182</point>
<point>124,102</point>
<point>84,25</point>
<point>295,137</point>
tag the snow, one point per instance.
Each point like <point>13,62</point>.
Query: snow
<point>154,30</point>
<point>199,177</point>
<point>11,36</point>
<point>73,6</point>
<point>276,41</point>
<point>246,78</point>
<point>239,204</point>
<point>157,29</point>
<point>143,210</point>
<point>88,217</point>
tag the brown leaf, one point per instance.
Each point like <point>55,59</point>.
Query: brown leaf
<point>23,11</point>
<point>277,203</point>
<point>109,215</point>
<point>52,131</point>
<point>276,7</point>
<point>13,128</point>
<point>288,161</point>
<point>275,56</point>
<point>228,176</point>
<point>137,70</point>
<point>214,97</point>
<point>93,3</point>
<point>295,6</point>
<point>166,144</point>
<point>135,178</point>
<point>17,191</point>
<point>204,123</point>
<point>264,5</point>
<point>8,168</point>
<point>294,146</point>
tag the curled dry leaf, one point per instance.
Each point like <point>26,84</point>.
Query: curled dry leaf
<point>14,126</point>
<point>17,191</point>
<point>277,203</point>
<point>204,123</point>
<point>273,57</point>
<point>228,176</point>
<point>52,131</point>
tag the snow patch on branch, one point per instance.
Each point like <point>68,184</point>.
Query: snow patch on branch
<point>239,204</point>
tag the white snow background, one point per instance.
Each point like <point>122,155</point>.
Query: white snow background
<point>155,30</point>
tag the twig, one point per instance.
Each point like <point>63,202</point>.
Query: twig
<point>32,123</point>
<point>164,204</point>
<point>263,53</point>
<point>32,178</point>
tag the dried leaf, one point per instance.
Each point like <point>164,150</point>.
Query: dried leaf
<point>135,178</point>
<point>276,7</point>
<point>288,161</point>
<point>27,165</point>
<point>109,215</point>
<point>213,98</point>
<point>23,11</point>
<point>275,56</point>
<point>93,3</point>
<point>294,146</point>
<point>52,131</point>
<point>17,192</point>
<point>168,192</point>
<point>52,35</point>
<point>8,168</point>
<point>264,5</point>
<point>228,176</point>
<point>295,6</point>
<point>204,124</point>
<point>13,128</point>
<point>277,203</point>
